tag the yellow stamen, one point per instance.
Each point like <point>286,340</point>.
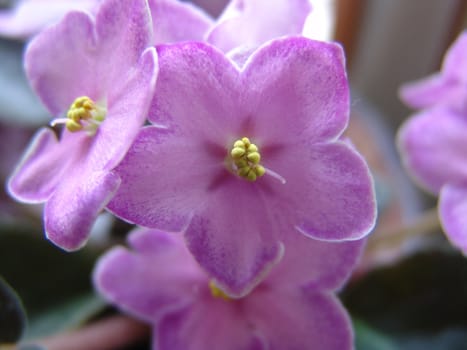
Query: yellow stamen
<point>84,114</point>
<point>217,292</point>
<point>246,157</point>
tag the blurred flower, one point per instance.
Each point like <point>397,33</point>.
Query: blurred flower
<point>446,88</point>
<point>29,17</point>
<point>98,75</point>
<point>239,159</point>
<point>159,282</point>
<point>433,142</point>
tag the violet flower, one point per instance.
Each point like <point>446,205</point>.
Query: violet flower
<point>433,142</point>
<point>239,159</point>
<point>448,87</point>
<point>96,73</point>
<point>159,282</point>
<point>250,23</point>
<point>29,17</point>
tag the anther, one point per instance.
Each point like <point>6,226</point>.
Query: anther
<point>246,157</point>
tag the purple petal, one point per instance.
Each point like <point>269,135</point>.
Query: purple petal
<point>72,45</point>
<point>297,90</point>
<point>433,145</point>
<point>197,93</point>
<point>293,319</point>
<point>329,193</point>
<point>455,61</point>
<point>452,209</point>
<point>254,22</point>
<point>318,264</point>
<point>164,179</point>
<point>29,17</point>
<point>233,236</point>
<point>41,168</point>
<point>156,277</point>
<point>175,21</point>
<point>124,30</point>
<point>87,60</point>
<point>215,324</point>
<point>128,107</point>
<point>75,204</point>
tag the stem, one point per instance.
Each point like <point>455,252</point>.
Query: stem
<point>107,334</point>
<point>426,223</point>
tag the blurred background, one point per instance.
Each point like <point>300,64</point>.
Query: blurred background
<point>410,290</point>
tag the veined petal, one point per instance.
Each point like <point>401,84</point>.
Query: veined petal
<point>157,276</point>
<point>251,23</point>
<point>123,30</point>
<point>174,21</point>
<point>213,324</point>
<point>292,319</point>
<point>432,145</point>
<point>41,168</point>
<point>296,89</point>
<point>75,204</point>
<point>164,179</point>
<point>128,108</point>
<point>329,192</point>
<point>233,237</point>
<point>87,57</point>
<point>72,46</point>
<point>317,264</point>
<point>197,93</point>
<point>29,17</point>
<point>452,209</point>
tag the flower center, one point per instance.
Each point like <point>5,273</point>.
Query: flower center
<point>246,157</point>
<point>217,292</point>
<point>83,114</point>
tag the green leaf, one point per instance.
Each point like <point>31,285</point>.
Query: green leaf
<point>65,316</point>
<point>367,338</point>
<point>12,316</point>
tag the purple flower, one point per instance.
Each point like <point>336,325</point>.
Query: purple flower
<point>94,76</point>
<point>448,87</point>
<point>250,23</point>
<point>240,159</point>
<point>159,282</point>
<point>29,17</point>
<point>433,142</point>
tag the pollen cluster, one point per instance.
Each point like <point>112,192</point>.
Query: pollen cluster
<point>246,158</point>
<point>217,292</point>
<point>84,114</point>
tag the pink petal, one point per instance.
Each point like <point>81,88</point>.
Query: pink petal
<point>433,145</point>
<point>175,21</point>
<point>296,90</point>
<point>75,204</point>
<point>455,60</point>
<point>293,319</point>
<point>72,44</point>
<point>322,265</point>
<point>329,192</point>
<point>87,59</point>
<point>212,324</point>
<point>251,23</point>
<point>29,17</point>
<point>234,237</point>
<point>164,179</point>
<point>197,93</point>
<point>128,106</point>
<point>452,212</point>
<point>158,276</point>
<point>41,168</point>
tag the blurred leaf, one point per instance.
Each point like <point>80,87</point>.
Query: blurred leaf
<point>65,316</point>
<point>12,316</point>
<point>30,347</point>
<point>426,293</point>
<point>43,275</point>
<point>369,339</point>
<point>18,104</point>
<point>450,339</point>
